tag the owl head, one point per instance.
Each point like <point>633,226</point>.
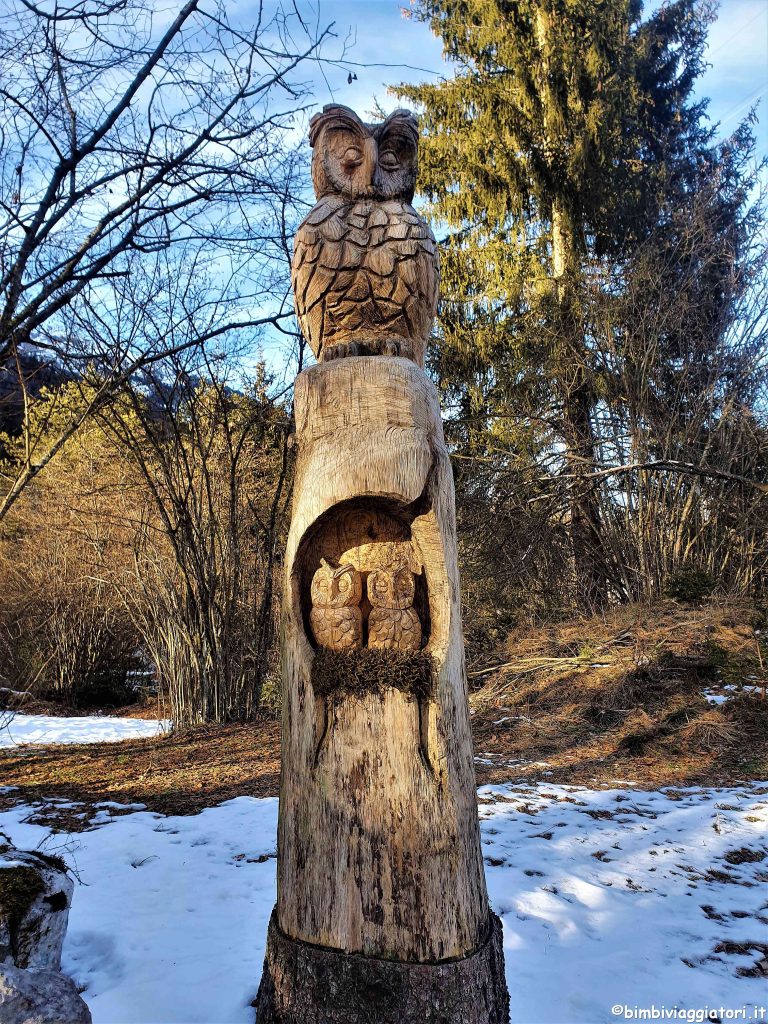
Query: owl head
<point>363,161</point>
<point>391,588</point>
<point>336,588</point>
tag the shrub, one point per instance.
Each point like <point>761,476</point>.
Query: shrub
<point>690,585</point>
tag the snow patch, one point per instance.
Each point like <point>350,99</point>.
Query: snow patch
<point>20,729</point>
<point>731,690</point>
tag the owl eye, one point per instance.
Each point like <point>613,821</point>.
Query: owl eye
<point>352,157</point>
<point>389,160</point>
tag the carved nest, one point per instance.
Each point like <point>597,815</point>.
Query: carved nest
<point>371,670</point>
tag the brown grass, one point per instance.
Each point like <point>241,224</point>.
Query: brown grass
<point>27,703</point>
<point>177,774</point>
<point>619,697</point>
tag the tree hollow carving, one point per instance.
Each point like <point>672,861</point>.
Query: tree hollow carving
<point>362,582</point>
<point>379,855</point>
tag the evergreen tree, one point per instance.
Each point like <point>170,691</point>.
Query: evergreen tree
<point>566,133</point>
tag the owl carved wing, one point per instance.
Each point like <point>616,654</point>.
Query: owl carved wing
<point>382,628</point>
<point>410,630</point>
<point>319,262</point>
<point>337,628</point>
<point>403,263</point>
<point>398,628</point>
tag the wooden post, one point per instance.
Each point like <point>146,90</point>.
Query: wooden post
<point>382,912</point>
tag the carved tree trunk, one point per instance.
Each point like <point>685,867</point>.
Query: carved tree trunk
<point>382,913</point>
<point>378,840</point>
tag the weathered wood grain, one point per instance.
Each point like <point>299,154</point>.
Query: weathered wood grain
<point>379,848</point>
<point>365,269</point>
<point>382,912</point>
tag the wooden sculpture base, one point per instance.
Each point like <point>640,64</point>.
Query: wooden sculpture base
<point>305,984</point>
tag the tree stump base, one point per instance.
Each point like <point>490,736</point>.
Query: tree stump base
<point>306,984</point>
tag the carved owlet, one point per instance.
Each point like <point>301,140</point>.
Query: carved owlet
<point>365,268</point>
<point>336,618</point>
<point>393,621</point>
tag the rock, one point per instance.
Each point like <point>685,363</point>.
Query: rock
<point>35,894</point>
<point>40,997</point>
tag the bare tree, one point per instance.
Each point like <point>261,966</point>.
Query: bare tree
<point>142,157</point>
<point>683,470</point>
<point>214,460</point>
<point>64,633</point>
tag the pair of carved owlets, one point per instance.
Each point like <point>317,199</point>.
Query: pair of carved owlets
<point>337,618</point>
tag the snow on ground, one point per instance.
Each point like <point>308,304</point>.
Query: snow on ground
<point>628,897</point>
<point>170,921</point>
<point>607,897</point>
<point>18,729</point>
<point>728,692</point>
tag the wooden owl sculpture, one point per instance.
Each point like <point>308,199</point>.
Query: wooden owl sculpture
<point>336,618</point>
<point>365,267</point>
<point>393,621</point>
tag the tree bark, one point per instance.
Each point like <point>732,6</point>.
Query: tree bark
<point>311,985</point>
<point>585,525</point>
<point>378,837</point>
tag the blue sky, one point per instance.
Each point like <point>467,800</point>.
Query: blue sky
<point>379,34</point>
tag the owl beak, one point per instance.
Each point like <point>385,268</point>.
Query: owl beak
<point>370,165</point>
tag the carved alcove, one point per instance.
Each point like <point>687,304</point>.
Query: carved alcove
<point>362,554</point>
<point>361,590</point>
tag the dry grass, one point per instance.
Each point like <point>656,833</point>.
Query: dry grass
<point>620,697</point>
<point>27,703</point>
<point>178,774</point>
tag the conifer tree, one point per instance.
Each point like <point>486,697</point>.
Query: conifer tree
<point>568,126</point>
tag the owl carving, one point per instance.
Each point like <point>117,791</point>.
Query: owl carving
<point>365,268</point>
<point>393,621</point>
<point>336,618</point>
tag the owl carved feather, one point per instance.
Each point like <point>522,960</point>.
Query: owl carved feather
<point>365,269</point>
<point>397,628</point>
<point>336,618</point>
<point>393,621</point>
<point>337,628</point>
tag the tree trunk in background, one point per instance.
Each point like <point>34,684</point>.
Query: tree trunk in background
<point>382,913</point>
<point>585,525</point>
<point>578,401</point>
<point>570,378</point>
